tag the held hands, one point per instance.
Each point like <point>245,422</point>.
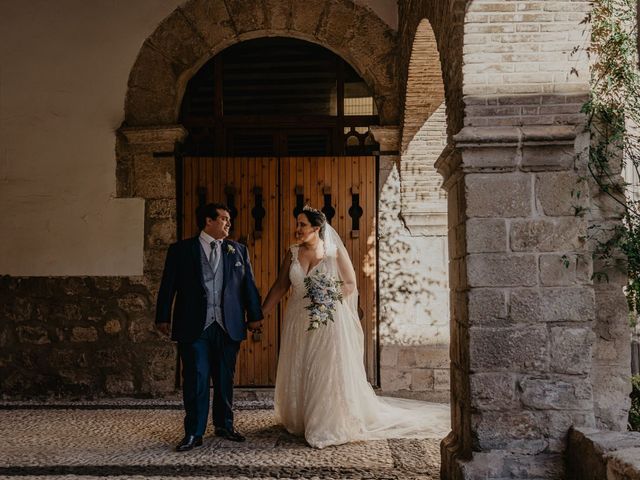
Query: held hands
<point>255,326</point>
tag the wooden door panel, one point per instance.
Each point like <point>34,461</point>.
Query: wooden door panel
<point>207,179</point>
<point>343,176</point>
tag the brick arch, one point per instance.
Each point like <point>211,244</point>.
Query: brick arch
<point>424,87</point>
<point>424,136</point>
<point>200,29</point>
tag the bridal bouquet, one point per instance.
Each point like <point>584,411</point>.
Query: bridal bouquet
<point>323,291</point>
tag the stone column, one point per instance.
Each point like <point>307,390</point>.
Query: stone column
<point>522,301</point>
<point>147,169</point>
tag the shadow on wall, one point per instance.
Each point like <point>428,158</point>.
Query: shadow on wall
<point>414,297</point>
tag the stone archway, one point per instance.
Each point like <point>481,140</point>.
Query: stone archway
<point>182,43</point>
<point>200,29</point>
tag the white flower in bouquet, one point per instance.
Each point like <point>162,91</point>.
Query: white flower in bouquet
<point>323,291</point>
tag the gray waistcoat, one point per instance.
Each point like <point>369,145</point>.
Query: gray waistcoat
<point>213,284</point>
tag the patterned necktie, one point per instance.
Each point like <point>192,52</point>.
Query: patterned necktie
<point>215,254</point>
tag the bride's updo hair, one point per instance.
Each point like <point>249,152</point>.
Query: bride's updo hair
<point>316,219</point>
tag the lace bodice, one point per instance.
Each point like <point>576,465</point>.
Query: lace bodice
<point>297,273</point>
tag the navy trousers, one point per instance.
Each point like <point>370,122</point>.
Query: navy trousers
<point>213,355</point>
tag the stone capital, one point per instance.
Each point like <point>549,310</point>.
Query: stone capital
<point>153,139</point>
<point>387,136</point>
<point>528,148</point>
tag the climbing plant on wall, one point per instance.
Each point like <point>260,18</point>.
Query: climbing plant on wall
<point>613,112</point>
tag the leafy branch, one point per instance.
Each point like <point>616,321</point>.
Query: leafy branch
<point>613,117</point>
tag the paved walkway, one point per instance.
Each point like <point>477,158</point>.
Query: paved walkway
<point>134,439</point>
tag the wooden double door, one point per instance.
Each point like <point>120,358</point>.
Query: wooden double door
<point>264,195</point>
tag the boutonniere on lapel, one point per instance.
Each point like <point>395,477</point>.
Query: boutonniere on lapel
<point>230,249</point>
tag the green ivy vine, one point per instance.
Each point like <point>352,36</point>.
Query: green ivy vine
<point>613,109</point>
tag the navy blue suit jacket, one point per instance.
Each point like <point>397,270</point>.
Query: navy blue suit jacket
<point>182,280</point>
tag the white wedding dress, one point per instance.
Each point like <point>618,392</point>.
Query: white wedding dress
<point>322,392</point>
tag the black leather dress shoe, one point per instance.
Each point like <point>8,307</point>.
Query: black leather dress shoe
<point>232,435</point>
<point>189,442</point>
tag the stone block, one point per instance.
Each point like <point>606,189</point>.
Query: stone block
<point>338,22</point>
<point>389,355</point>
<point>502,158</point>
<point>441,379</point>
<point>432,356</point>
<point>145,107</point>
<point>133,303</point>
<point>552,305</point>
<point>518,431</point>
<point>154,177</point>
<point>493,391</point>
<point>118,385</point>
<point>487,306</point>
<point>212,20</point>
<point>161,208</point>
<point>498,195</point>
<point>33,335</point>
<point>373,43</point>
<point>611,389</point>
<point>278,14</point>
<point>392,380</point>
<point>177,39</point>
<point>112,327</point>
<point>154,259</point>
<point>557,270</point>
<point>422,379</point>
<point>548,235</point>
<point>143,330</point>
<point>501,464</point>
<point>161,233</point>
<point>246,16</point>
<point>512,348</point>
<point>561,193</point>
<point>550,392</point>
<point>84,334</point>
<point>406,357</point>
<point>500,270</point>
<point>152,70</point>
<point>547,157</point>
<point>571,349</point>
<point>484,235</point>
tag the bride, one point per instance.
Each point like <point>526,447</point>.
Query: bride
<point>321,385</point>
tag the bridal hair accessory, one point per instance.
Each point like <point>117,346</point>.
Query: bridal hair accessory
<point>309,208</point>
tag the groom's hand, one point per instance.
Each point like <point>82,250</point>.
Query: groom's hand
<point>254,325</point>
<point>164,328</point>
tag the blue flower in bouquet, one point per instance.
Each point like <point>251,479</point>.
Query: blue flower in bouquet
<point>323,291</point>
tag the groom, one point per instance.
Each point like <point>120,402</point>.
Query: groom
<point>212,283</point>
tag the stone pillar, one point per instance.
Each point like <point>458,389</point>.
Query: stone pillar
<point>522,301</point>
<point>147,169</point>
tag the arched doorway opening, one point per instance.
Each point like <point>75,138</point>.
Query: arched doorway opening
<point>273,124</point>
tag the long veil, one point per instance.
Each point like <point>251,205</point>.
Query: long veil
<point>379,417</point>
<point>339,265</point>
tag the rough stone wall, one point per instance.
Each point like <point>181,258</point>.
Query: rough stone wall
<point>81,336</point>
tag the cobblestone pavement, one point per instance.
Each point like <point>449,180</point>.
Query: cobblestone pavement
<point>135,440</point>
